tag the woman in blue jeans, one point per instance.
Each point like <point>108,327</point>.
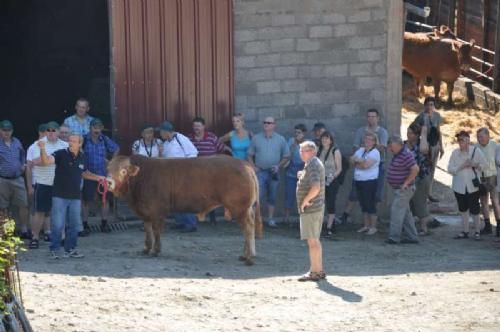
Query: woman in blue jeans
<point>366,162</point>
<point>295,165</point>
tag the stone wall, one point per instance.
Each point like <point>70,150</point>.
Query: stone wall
<point>303,61</point>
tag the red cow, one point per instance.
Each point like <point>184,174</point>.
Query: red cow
<point>439,59</point>
<point>155,187</point>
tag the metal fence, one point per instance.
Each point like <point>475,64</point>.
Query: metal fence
<point>469,19</point>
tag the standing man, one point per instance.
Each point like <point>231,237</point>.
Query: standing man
<point>43,176</point>
<point>488,190</point>
<point>311,205</point>
<point>64,131</point>
<point>70,168</point>
<point>98,148</point>
<point>401,175</point>
<point>267,153</point>
<point>177,145</point>
<point>431,119</point>
<point>207,144</point>
<point>372,120</point>
<point>12,186</point>
<point>79,123</point>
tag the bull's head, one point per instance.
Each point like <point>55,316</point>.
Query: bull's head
<point>119,172</point>
<point>444,32</point>
<point>465,55</point>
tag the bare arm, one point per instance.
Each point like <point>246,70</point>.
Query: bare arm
<point>424,145</point>
<point>411,177</point>
<point>91,176</point>
<point>44,158</point>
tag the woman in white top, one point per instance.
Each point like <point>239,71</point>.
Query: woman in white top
<point>465,165</point>
<point>366,162</point>
<point>148,145</point>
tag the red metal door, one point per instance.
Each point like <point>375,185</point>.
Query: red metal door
<point>172,60</point>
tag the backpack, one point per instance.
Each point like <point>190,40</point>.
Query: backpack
<point>433,136</point>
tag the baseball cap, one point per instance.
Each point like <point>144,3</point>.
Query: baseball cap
<point>166,126</point>
<point>6,124</point>
<point>52,125</point>
<point>42,127</point>
<point>96,122</point>
<point>319,125</point>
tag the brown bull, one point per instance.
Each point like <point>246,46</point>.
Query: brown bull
<point>437,58</point>
<point>154,188</point>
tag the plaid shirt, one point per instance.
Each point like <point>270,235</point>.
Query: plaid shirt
<point>423,161</point>
<point>77,127</point>
<point>12,158</point>
<point>96,153</point>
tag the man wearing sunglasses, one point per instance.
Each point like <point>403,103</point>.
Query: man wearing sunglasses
<point>268,152</point>
<point>43,177</point>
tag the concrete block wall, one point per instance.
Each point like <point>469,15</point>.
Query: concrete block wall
<point>307,61</point>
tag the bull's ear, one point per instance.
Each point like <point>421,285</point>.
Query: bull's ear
<point>133,170</point>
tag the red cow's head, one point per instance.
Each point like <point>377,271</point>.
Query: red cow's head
<point>119,171</point>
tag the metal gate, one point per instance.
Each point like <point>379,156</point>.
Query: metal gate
<point>171,60</point>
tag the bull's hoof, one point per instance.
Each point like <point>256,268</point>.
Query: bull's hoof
<point>249,262</point>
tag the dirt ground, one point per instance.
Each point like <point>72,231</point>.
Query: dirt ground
<point>198,284</point>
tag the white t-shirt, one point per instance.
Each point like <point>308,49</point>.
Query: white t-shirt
<point>370,173</point>
<point>147,151</point>
<point>179,147</point>
<point>29,157</point>
<point>45,174</point>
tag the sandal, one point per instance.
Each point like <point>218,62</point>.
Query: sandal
<point>34,244</point>
<point>461,235</point>
<point>311,276</point>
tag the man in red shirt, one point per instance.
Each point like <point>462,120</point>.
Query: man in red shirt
<point>207,144</point>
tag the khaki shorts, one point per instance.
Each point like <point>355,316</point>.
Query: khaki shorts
<point>490,184</point>
<point>13,193</point>
<point>418,203</point>
<point>310,225</point>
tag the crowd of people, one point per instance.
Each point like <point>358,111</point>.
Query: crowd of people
<point>64,165</point>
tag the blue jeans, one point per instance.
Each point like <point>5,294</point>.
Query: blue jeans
<point>65,211</point>
<point>290,192</point>
<point>189,220</point>
<point>268,182</point>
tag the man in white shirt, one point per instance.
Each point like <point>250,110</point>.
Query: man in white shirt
<point>177,145</point>
<point>488,190</point>
<point>43,177</point>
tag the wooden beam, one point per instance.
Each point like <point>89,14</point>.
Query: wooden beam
<point>451,17</point>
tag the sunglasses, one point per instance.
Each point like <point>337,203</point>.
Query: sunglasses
<point>267,122</point>
<point>51,130</point>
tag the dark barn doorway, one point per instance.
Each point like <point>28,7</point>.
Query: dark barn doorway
<point>52,53</point>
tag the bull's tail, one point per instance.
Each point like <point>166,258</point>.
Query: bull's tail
<point>259,231</point>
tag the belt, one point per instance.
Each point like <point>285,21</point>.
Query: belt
<point>9,177</point>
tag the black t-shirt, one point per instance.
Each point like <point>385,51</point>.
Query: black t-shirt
<point>68,176</point>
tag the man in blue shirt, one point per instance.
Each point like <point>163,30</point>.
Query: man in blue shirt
<point>79,123</point>
<point>98,148</point>
<point>12,166</point>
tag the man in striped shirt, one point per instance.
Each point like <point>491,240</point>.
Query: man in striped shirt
<point>401,175</point>
<point>207,144</point>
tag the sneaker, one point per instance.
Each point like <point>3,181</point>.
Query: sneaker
<point>34,244</point>
<point>272,223</point>
<point>391,241</point>
<point>311,276</point>
<point>487,229</point>
<point>54,255</point>
<point>362,229</point>
<point>371,231</point>
<point>73,254</point>
<point>477,237</point>
<point>105,228</point>
<point>46,237</point>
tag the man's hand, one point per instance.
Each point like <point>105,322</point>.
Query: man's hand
<point>41,144</point>
<point>304,205</point>
<point>30,190</point>
<point>275,169</point>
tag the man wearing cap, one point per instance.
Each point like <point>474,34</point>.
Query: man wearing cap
<point>79,123</point>
<point>98,148</point>
<point>43,176</point>
<point>12,167</point>
<point>177,145</point>
<point>64,131</point>
<point>401,175</point>
<point>318,129</point>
